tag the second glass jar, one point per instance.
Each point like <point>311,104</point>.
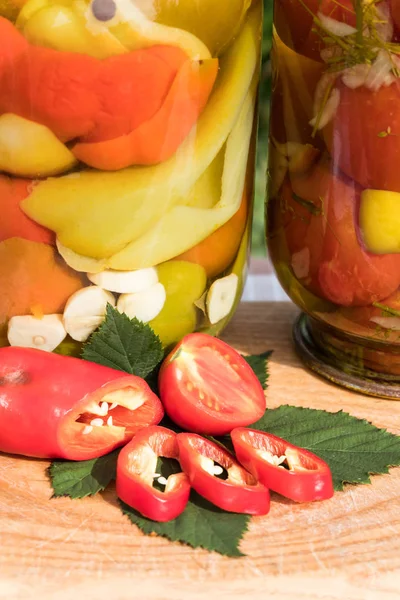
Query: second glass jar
<point>333,210</point>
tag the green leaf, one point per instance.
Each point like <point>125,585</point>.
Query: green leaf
<point>259,363</point>
<point>353,448</point>
<point>69,347</point>
<point>152,379</point>
<point>200,525</point>
<point>169,424</point>
<point>82,478</point>
<point>124,344</point>
<point>165,467</point>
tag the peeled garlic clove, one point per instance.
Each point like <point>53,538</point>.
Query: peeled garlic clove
<point>328,110</point>
<point>45,333</point>
<point>145,305</point>
<point>326,83</point>
<point>221,297</point>
<point>354,77</point>
<point>338,28</point>
<point>380,71</point>
<point>125,282</point>
<point>80,328</point>
<point>90,301</point>
<point>85,311</point>
<point>301,263</point>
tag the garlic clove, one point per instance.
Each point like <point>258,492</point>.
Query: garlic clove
<point>354,77</point>
<point>125,282</point>
<point>90,301</point>
<point>300,263</point>
<point>338,28</point>
<point>145,305</point>
<point>380,71</point>
<point>81,328</point>
<point>328,111</point>
<point>45,333</point>
<point>85,311</point>
<point>221,297</point>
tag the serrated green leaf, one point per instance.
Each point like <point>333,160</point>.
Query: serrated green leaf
<point>165,467</point>
<point>200,525</point>
<point>124,344</point>
<point>82,478</point>
<point>259,364</point>
<point>353,448</point>
<point>152,379</point>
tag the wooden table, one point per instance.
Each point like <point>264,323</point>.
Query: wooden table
<point>347,547</point>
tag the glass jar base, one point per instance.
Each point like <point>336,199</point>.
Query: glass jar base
<point>334,358</point>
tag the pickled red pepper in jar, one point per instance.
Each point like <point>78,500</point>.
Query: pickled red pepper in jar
<point>333,209</point>
<point>127,137</point>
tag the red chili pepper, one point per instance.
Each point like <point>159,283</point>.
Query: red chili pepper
<point>240,492</point>
<point>297,473</point>
<point>54,406</point>
<point>136,471</point>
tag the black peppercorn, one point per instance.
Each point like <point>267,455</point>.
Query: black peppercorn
<point>104,10</point>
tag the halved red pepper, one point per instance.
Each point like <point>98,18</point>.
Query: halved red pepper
<point>240,492</point>
<point>54,406</point>
<point>136,472</point>
<point>284,468</point>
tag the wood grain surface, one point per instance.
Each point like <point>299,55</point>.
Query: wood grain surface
<point>347,547</point>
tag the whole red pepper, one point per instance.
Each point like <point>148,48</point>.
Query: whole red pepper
<point>136,472</point>
<point>54,406</point>
<point>282,467</point>
<point>240,492</point>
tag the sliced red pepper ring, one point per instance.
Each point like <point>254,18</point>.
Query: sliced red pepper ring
<point>56,406</point>
<point>240,492</point>
<point>136,473</point>
<point>284,468</point>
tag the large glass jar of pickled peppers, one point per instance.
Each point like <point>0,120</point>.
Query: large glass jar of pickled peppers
<point>127,136</point>
<point>334,184</point>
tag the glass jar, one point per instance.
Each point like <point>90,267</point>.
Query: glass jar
<point>333,209</point>
<point>127,145</point>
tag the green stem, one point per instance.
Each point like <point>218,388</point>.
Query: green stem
<point>390,311</point>
<point>359,22</point>
<point>307,204</point>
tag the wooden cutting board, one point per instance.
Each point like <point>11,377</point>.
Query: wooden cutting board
<point>347,547</point>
